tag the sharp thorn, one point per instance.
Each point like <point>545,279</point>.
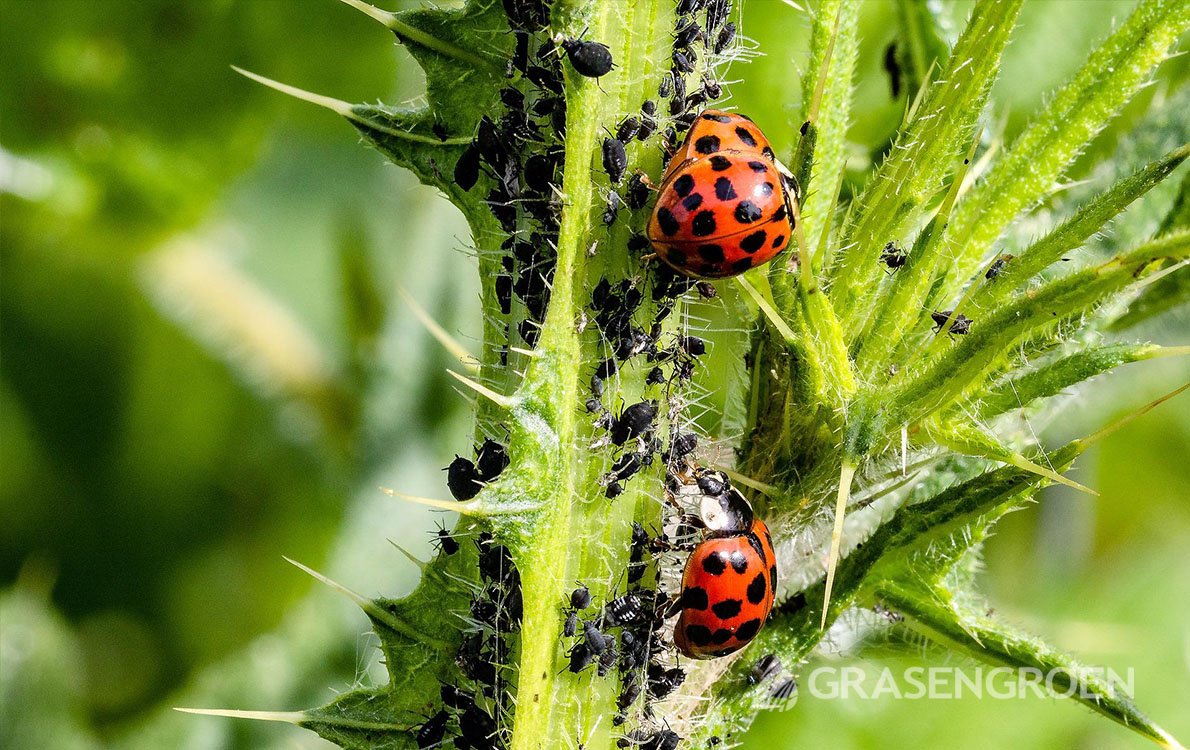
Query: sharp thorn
<point>438,332</point>
<point>846,474</point>
<point>483,390</point>
<point>288,717</point>
<point>337,106</point>
<point>467,508</point>
<point>382,16</point>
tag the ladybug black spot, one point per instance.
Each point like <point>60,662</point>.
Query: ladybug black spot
<point>692,202</point>
<point>677,258</point>
<point>724,190</point>
<point>721,636</point>
<point>708,144</point>
<point>758,166</point>
<point>727,609</point>
<point>703,224</point>
<point>766,189</point>
<point>780,214</point>
<point>747,212</point>
<point>745,136</point>
<point>779,240</point>
<point>683,185</point>
<point>665,219</point>
<point>739,562</point>
<point>741,265</point>
<point>711,253</point>
<point>720,163</point>
<point>768,152</point>
<point>695,597</point>
<point>757,589</point>
<point>754,241</point>
<point>715,564</point>
<point>748,630</point>
<point>699,635</point>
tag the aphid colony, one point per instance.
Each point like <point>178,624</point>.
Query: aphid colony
<point>730,573</point>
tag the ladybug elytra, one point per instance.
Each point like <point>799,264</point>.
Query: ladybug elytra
<point>729,581</point>
<point>723,206</point>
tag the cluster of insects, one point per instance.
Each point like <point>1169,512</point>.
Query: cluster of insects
<point>722,207</point>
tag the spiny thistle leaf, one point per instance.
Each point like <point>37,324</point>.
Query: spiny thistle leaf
<point>926,151</point>
<point>1030,167</point>
<point>934,612</point>
<point>848,382</point>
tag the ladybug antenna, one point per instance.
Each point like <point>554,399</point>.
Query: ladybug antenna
<point>846,474</point>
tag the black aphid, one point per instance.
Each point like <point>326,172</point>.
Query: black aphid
<point>491,460</point>
<point>615,159</point>
<point>591,59</point>
<point>959,326</point>
<point>462,478</point>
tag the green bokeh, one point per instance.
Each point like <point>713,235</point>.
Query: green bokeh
<point>153,470</point>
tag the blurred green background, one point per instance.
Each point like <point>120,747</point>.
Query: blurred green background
<point>205,365</point>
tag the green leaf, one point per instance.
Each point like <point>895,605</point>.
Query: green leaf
<point>926,151</point>
<point>920,42</point>
<point>834,107</point>
<point>965,628</point>
<point>1019,390</point>
<point>945,379</point>
<point>1088,220</point>
<point>1029,169</point>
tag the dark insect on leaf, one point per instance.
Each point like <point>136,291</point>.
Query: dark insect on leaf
<point>634,421</point>
<point>431,733</point>
<point>637,193</point>
<point>590,59</point>
<point>663,681</point>
<point>725,38</point>
<point>613,208</point>
<point>445,542</point>
<point>580,598</point>
<point>684,61</point>
<point>462,479</point>
<point>467,168</point>
<point>627,128</point>
<point>766,667</point>
<point>893,256</point>
<point>615,159</point>
<point>893,67</point>
<point>687,34</point>
<point>628,609</point>
<point>491,459</point>
<point>959,326</point>
<point>457,698</point>
<point>666,87</point>
<point>997,266</point>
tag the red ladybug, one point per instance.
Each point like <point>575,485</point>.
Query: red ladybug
<point>723,206</point>
<point>729,581</point>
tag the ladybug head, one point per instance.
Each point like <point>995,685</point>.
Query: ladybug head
<point>726,513</point>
